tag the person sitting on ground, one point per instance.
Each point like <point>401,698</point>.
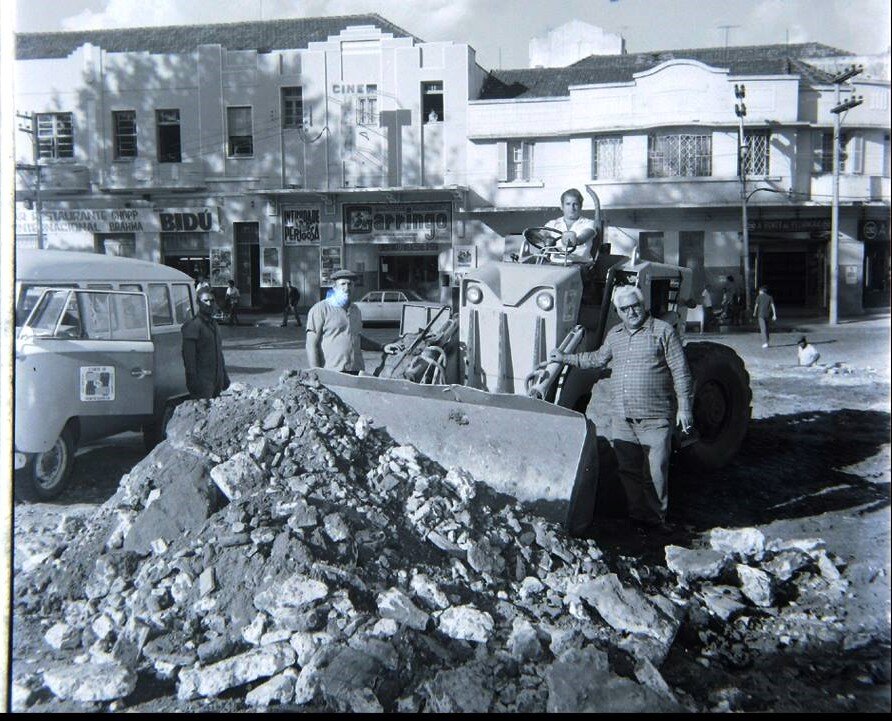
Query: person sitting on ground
<point>808,354</point>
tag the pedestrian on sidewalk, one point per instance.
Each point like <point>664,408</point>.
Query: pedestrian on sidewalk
<point>232,299</point>
<point>706,301</point>
<point>292,298</point>
<point>765,312</point>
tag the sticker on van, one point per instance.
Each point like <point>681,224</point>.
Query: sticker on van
<point>97,383</point>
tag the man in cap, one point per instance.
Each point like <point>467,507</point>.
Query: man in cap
<point>334,329</point>
<point>203,361</point>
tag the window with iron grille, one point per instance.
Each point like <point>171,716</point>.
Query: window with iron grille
<point>758,144</point>
<point>292,107</point>
<point>124,123</point>
<point>241,132</point>
<point>55,135</point>
<point>674,155</point>
<point>607,157</point>
<point>168,124</point>
<point>823,153</point>
<point>367,107</point>
<point>520,160</point>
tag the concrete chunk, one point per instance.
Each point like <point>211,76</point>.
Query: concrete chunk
<point>694,564</point>
<point>396,605</point>
<point>234,671</point>
<point>745,542</point>
<point>756,585</point>
<point>90,683</point>
<point>466,623</point>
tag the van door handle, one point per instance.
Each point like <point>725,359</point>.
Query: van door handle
<point>140,372</point>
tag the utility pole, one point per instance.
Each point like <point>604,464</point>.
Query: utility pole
<point>837,110</point>
<point>31,129</point>
<point>742,156</point>
<point>726,28</point>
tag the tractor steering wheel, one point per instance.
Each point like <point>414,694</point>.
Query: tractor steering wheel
<point>543,238</point>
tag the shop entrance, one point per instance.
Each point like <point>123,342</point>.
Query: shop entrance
<point>794,275</point>
<point>247,262</point>
<point>414,272</point>
<point>192,265</point>
<point>877,273</point>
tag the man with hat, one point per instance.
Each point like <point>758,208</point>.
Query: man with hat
<point>334,325</point>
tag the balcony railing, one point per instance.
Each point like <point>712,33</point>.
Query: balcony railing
<point>150,174</point>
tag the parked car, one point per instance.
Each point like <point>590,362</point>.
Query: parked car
<point>386,306</point>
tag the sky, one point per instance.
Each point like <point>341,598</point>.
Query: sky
<point>500,30</point>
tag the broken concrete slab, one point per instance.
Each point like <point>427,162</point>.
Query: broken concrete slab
<point>694,564</point>
<point>90,683</point>
<point>396,605</point>
<point>235,671</point>
<point>459,690</point>
<point>756,585</point>
<point>239,476</point>
<point>278,690</point>
<point>466,623</point>
<point>744,542</point>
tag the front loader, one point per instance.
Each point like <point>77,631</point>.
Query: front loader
<point>476,391</point>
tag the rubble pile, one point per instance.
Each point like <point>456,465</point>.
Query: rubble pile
<point>278,550</point>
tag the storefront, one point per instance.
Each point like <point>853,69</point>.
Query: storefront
<point>877,266</point>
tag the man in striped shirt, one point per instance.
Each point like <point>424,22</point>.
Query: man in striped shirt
<point>652,387</point>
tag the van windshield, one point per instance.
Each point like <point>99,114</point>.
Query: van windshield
<point>28,297</point>
<point>46,315</point>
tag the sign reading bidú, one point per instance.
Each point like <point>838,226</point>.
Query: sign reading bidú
<point>63,221</point>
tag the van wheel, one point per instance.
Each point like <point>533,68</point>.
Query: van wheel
<point>156,431</point>
<point>46,474</point>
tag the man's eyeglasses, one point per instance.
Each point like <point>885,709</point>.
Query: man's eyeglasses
<point>627,308</point>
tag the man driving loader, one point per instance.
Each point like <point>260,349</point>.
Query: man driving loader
<point>648,364</point>
<point>577,232</point>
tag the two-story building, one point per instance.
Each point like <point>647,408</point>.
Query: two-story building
<point>266,151</point>
<point>258,151</point>
<point>656,136</point>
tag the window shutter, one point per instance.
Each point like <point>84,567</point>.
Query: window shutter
<point>502,150</point>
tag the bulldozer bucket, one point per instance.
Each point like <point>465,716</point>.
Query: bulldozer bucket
<point>537,452</point>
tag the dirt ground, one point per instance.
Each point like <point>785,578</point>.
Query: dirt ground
<point>815,464</point>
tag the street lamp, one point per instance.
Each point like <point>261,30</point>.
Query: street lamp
<point>837,110</point>
<point>746,198</point>
<point>740,112</point>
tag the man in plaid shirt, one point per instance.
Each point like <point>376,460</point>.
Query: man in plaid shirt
<point>652,385</point>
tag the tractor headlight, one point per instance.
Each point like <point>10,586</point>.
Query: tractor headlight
<point>473,294</point>
<point>545,301</point>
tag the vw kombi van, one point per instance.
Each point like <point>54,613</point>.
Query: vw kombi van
<point>98,352</point>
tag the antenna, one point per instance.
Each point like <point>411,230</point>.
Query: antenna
<point>726,28</point>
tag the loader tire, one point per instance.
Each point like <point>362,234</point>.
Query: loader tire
<point>722,403</point>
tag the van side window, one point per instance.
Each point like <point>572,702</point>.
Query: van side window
<point>129,320</point>
<point>130,286</point>
<point>159,304</point>
<point>182,302</point>
<point>99,286</point>
<point>96,318</point>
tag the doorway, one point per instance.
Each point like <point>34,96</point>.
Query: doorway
<point>247,262</point>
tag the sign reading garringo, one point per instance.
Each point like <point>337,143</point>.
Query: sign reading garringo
<point>404,223</point>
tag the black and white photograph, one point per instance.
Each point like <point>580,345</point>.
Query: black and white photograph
<point>586,406</point>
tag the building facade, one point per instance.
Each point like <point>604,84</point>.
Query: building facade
<point>656,136</point>
<point>283,150</point>
<point>261,152</point>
